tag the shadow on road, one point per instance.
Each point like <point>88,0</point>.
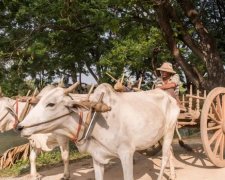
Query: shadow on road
<point>144,167</point>
<point>197,158</point>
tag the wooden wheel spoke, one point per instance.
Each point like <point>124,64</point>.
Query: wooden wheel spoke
<point>217,133</point>
<point>223,107</point>
<point>217,115</point>
<point>222,148</point>
<point>219,105</point>
<point>215,150</point>
<point>213,118</point>
<point>214,128</point>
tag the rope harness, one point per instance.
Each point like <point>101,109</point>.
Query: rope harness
<point>50,120</point>
<point>16,112</point>
<point>76,138</point>
<point>83,126</point>
<point>26,110</point>
<point>80,126</point>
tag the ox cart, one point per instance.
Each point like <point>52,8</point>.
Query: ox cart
<point>208,112</point>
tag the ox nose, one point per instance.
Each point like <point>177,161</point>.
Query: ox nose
<point>19,128</point>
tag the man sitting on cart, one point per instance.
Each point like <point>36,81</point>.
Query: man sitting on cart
<point>169,81</point>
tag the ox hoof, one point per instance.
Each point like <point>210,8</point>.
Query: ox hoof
<point>39,177</point>
<point>36,177</point>
<point>64,178</point>
<point>172,177</point>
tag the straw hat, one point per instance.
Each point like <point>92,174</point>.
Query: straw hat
<point>167,67</point>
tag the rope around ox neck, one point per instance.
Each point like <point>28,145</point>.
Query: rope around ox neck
<point>50,120</point>
<point>76,137</point>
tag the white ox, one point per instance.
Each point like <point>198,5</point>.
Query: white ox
<point>39,142</point>
<point>137,120</point>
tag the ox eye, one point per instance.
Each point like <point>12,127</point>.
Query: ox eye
<point>50,105</point>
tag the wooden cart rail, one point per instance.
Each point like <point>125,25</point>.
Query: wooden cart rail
<point>193,104</point>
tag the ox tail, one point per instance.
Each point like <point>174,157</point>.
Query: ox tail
<point>181,142</point>
<point>185,146</point>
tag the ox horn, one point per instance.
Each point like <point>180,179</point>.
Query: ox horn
<point>34,100</point>
<point>61,83</point>
<point>71,88</point>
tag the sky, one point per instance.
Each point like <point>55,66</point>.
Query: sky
<point>88,79</point>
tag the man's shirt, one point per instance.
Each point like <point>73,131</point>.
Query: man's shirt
<point>173,79</point>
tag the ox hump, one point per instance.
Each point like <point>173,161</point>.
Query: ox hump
<point>107,89</point>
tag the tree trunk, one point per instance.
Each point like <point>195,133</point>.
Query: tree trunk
<point>73,75</point>
<point>92,73</point>
<point>165,26</point>
<point>205,50</point>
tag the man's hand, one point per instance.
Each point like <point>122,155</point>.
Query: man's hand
<point>167,86</point>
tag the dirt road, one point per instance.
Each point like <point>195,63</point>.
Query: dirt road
<point>189,166</point>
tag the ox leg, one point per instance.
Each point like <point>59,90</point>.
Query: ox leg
<point>172,169</point>
<point>126,157</point>
<point>33,169</point>
<point>99,170</point>
<point>64,148</point>
<point>166,153</point>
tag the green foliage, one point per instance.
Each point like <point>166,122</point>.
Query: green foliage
<point>15,170</point>
<point>43,40</point>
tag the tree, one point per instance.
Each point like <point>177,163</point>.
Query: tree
<point>43,41</point>
<point>200,42</point>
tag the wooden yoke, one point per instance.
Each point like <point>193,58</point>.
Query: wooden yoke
<point>90,91</point>
<point>90,118</point>
<point>119,87</point>
<point>92,106</point>
<point>27,106</point>
<point>139,85</point>
<point>28,93</point>
<point>114,79</point>
<point>119,83</point>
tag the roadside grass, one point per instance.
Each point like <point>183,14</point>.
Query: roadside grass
<point>44,160</point>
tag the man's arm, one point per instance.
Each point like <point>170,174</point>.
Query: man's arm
<point>175,81</point>
<point>167,86</point>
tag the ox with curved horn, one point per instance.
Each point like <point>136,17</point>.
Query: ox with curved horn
<point>38,142</point>
<point>137,121</point>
